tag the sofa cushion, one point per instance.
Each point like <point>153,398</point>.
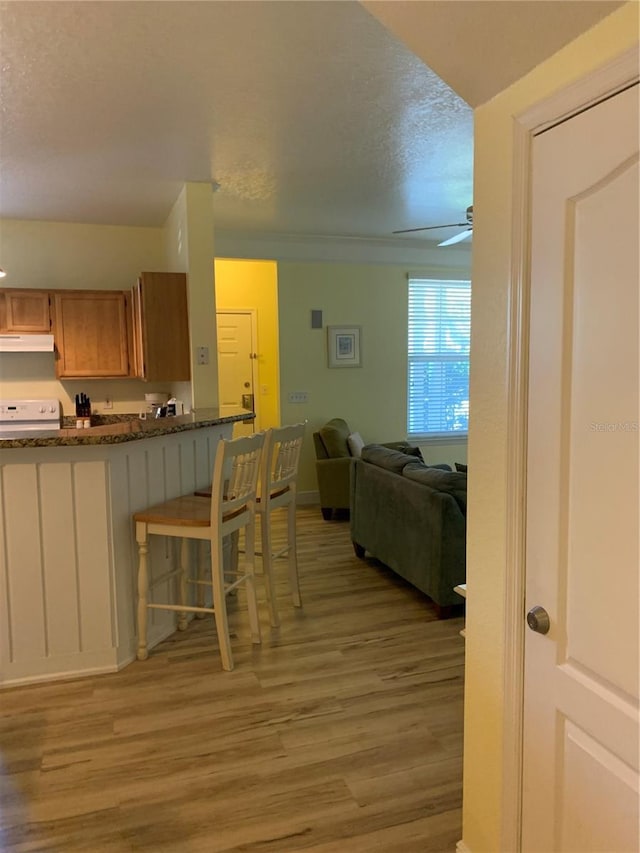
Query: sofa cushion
<point>404,447</point>
<point>334,435</point>
<point>355,444</point>
<point>452,482</point>
<point>384,457</point>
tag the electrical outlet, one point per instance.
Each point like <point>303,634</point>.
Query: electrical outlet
<point>298,397</point>
<point>108,403</point>
<point>203,355</point>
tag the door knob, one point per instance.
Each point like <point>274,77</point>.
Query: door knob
<point>538,620</point>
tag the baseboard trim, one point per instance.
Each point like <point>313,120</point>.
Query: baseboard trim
<point>461,847</point>
<point>61,675</point>
<point>88,665</point>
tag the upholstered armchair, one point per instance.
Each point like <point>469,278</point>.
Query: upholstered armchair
<point>335,447</point>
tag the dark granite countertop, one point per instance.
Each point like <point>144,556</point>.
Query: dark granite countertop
<point>122,428</point>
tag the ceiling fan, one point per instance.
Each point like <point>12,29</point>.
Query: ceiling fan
<point>457,238</point>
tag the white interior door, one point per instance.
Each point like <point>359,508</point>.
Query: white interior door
<point>236,365</point>
<point>580,785</point>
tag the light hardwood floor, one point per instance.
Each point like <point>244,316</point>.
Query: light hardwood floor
<point>342,732</point>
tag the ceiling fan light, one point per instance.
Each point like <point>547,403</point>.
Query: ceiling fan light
<point>2,273</point>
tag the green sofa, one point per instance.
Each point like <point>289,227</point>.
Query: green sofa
<point>412,517</point>
<point>333,464</point>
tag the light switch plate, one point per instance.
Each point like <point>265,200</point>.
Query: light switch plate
<point>203,355</point>
<point>298,397</point>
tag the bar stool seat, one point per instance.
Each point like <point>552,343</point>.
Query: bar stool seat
<point>231,507</point>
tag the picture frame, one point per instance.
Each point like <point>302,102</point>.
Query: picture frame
<point>344,346</point>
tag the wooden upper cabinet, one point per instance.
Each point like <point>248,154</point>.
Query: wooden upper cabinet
<point>92,333</point>
<point>25,311</point>
<point>161,350</point>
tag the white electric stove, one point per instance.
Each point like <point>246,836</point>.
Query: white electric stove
<point>28,418</point>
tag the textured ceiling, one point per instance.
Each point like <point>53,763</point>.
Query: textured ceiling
<point>479,47</point>
<point>311,116</point>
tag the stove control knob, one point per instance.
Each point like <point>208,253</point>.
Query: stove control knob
<point>52,408</point>
<point>42,409</point>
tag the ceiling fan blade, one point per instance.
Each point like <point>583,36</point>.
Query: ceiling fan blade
<point>431,228</point>
<point>458,238</point>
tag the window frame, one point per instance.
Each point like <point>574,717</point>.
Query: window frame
<point>447,436</point>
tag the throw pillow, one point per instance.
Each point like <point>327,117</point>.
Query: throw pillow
<point>355,443</point>
<point>461,467</point>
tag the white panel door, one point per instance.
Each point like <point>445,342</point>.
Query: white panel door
<point>581,678</point>
<point>236,362</point>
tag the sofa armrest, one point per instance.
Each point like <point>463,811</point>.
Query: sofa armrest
<point>334,477</point>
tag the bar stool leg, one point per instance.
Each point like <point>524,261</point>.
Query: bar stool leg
<point>293,554</point>
<point>182,582</point>
<point>250,583</point>
<point>143,589</point>
<point>200,587</point>
<point>220,605</point>
<point>267,568</point>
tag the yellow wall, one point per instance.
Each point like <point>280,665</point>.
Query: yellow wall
<point>486,573</point>
<point>372,398</point>
<point>254,284</point>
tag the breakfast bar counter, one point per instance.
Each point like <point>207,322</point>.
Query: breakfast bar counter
<point>120,428</point>
<point>68,557</point>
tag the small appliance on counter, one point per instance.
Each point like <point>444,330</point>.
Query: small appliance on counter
<point>174,407</point>
<point>27,418</point>
<point>157,404</point>
<point>160,406</point>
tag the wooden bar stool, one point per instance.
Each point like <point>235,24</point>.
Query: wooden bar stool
<point>278,488</point>
<point>230,507</point>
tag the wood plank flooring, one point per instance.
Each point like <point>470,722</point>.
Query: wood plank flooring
<point>342,733</point>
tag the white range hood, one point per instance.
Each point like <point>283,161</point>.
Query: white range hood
<point>26,343</point>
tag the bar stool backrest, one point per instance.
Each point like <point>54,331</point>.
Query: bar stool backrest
<point>235,478</point>
<point>280,460</point>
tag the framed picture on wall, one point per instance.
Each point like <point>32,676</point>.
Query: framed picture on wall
<point>344,346</point>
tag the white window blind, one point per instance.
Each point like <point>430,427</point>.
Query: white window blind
<point>439,336</point>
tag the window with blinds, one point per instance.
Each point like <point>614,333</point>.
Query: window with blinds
<point>439,336</point>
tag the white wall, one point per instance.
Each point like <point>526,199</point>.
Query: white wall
<point>188,246</point>
<point>487,542</point>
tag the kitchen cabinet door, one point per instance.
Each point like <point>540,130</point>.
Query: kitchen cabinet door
<point>92,333</point>
<point>24,311</point>
<point>161,328</point>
